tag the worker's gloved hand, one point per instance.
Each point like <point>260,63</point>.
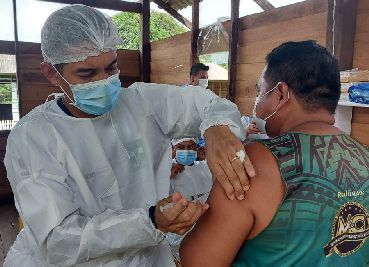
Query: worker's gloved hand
<point>176,169</point>
<point>177,215</point>
<point>231,170</point>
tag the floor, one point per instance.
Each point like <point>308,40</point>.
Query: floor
<point>8,227</point>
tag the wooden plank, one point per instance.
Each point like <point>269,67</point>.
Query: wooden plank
<point>174,13</point>
<point>256,52</point>
<point>29,48</point>
<point>30,61</point>
<point>178,64</point>
<point>360,115</point>
<point>245,105</point>
<point>171,53</point>
<point>117,5</point>
<point>313,25</point>
<point>179,78</point>
<point>363,6</point>
<point>36,92</point>
<point>129,68</point>
<point>341,27</point>
<point>129,55</point>
<point>195,30</point>
<point>360,132</point>
<point>233,48</point>
<point>264,4</point>
<point>32,76</point>
<point>246,88</point>
<point>286,13</point>
<point>7,47</point>
<point>145,41</point>
<point>183,38</point>
<point>249,72</point>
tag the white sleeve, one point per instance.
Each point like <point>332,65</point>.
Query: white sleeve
<point>189,111</point>
<point>45,203</point>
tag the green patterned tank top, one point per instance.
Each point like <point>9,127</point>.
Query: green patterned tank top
<point>323,219</point>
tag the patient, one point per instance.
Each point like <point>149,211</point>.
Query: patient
<point>308,205</point>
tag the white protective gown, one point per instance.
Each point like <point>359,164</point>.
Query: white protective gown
<point>83,186</point>
<point>194,183</point>
<point>195,180</point>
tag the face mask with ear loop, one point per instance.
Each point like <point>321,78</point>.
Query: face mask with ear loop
<point>95,98</point>
<point>261,123</point>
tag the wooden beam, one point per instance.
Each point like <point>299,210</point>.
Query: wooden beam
<point>16,48</point>
<point>195,30</point>
<point>264,4</point>
<point>233,47</point>
<point>341,29</point>
<point>174,13</point>
<point>106,4</point>
<point>145,50</point>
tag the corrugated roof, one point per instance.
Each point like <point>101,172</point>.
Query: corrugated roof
<point>7,64</point>
<point>179,4</point>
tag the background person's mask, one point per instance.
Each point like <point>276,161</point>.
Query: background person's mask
<point>97,97</point>
<point>186,157</point>
<point>204,83</point>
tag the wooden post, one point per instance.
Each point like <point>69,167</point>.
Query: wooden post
<point>117,5</point>
<point>195,30</point>
<point>16,49</point>
<point>264,4</point>
<point>233,47</point>
<point>145,49</point>
<point>341,29</point>
<point>174,13</point>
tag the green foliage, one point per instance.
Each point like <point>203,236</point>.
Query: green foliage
<point>162,26</point>
<point>5,94</point>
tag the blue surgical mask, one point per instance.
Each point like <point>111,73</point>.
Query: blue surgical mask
<point>97,97</point>
<point>186,157</point>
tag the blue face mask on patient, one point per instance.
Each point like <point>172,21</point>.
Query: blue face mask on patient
<point>186,157</point>
<point>97,97</point>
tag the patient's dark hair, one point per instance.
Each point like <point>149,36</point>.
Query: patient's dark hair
<point>309,70</point>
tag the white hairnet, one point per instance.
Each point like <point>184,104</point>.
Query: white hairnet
<point>177,141</point>
<point>73,33</point>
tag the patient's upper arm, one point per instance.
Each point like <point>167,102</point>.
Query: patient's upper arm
<point>223,229</point>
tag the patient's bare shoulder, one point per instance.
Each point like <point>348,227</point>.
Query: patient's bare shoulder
<point>267,187</point>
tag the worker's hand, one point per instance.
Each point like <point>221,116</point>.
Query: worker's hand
<point>178,217</point>
<point>252,129</point>
<point>225,166</point>
<point>176,169</point>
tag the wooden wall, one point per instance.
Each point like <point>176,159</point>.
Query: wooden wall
<point>5,190</point>
<point>260,33</point>
<point>170,60</point>
<point>360,116</point>
<point>34,87</point>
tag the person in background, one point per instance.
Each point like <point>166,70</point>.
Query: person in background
<point>193,180</point>
<point>251,130</point>
<point>201,150</point>
<point>309,204</point>
<point>199,75</point>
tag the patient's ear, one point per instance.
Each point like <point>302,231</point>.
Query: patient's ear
<point>284,92</point>
<point>51,74</point>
